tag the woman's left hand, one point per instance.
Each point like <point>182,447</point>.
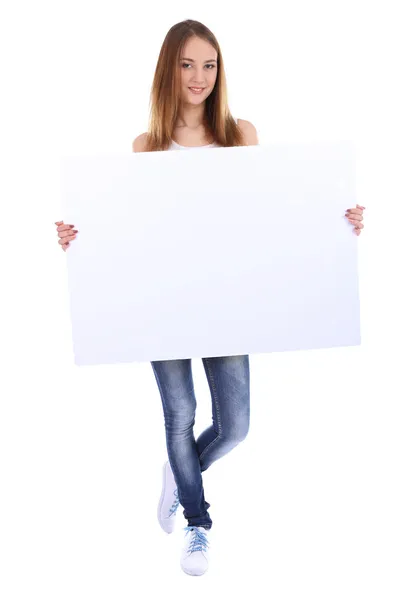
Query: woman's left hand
<point>355,216</point>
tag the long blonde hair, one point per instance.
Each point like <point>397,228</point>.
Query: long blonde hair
<point>166,90</point>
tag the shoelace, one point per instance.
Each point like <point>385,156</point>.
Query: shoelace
<point>175,505</point>
<point>199,540</point>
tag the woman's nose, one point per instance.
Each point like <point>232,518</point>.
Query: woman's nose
<point>198,78</point>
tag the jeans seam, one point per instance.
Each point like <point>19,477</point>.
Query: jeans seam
<point>164,405</point>
<point>214,393</point>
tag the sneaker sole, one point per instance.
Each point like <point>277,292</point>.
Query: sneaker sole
<point>164,481</point>
<point>188,572</point>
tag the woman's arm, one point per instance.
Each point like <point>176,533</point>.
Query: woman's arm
<point>249,132</point>
<point>139,143</point>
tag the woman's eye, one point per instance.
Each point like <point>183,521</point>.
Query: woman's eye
<point>189,65</point>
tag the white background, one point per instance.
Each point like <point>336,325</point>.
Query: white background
<point>307,505</point>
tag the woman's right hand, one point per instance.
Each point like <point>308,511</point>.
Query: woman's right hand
<point>66,233</point>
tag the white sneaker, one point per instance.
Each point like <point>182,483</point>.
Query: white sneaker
<point>194,559</point>
<point>169,501</point>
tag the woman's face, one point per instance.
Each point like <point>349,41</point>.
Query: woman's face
<point>198,65</point>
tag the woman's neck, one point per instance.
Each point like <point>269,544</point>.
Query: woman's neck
<point>191,117</point>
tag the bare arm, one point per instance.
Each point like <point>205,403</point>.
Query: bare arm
<point>139,143</point>
<point>249,132</point>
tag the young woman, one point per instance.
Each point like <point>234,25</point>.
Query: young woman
<point>189,109</point>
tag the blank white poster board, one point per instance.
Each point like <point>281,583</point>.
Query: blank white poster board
<point>211,252</point>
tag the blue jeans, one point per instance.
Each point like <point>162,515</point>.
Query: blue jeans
<point>229,381</point>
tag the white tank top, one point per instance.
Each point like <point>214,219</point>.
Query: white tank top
<point>175,146</point>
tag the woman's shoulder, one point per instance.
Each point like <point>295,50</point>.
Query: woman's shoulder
<point>139,143</point>
<point>249,132</point>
